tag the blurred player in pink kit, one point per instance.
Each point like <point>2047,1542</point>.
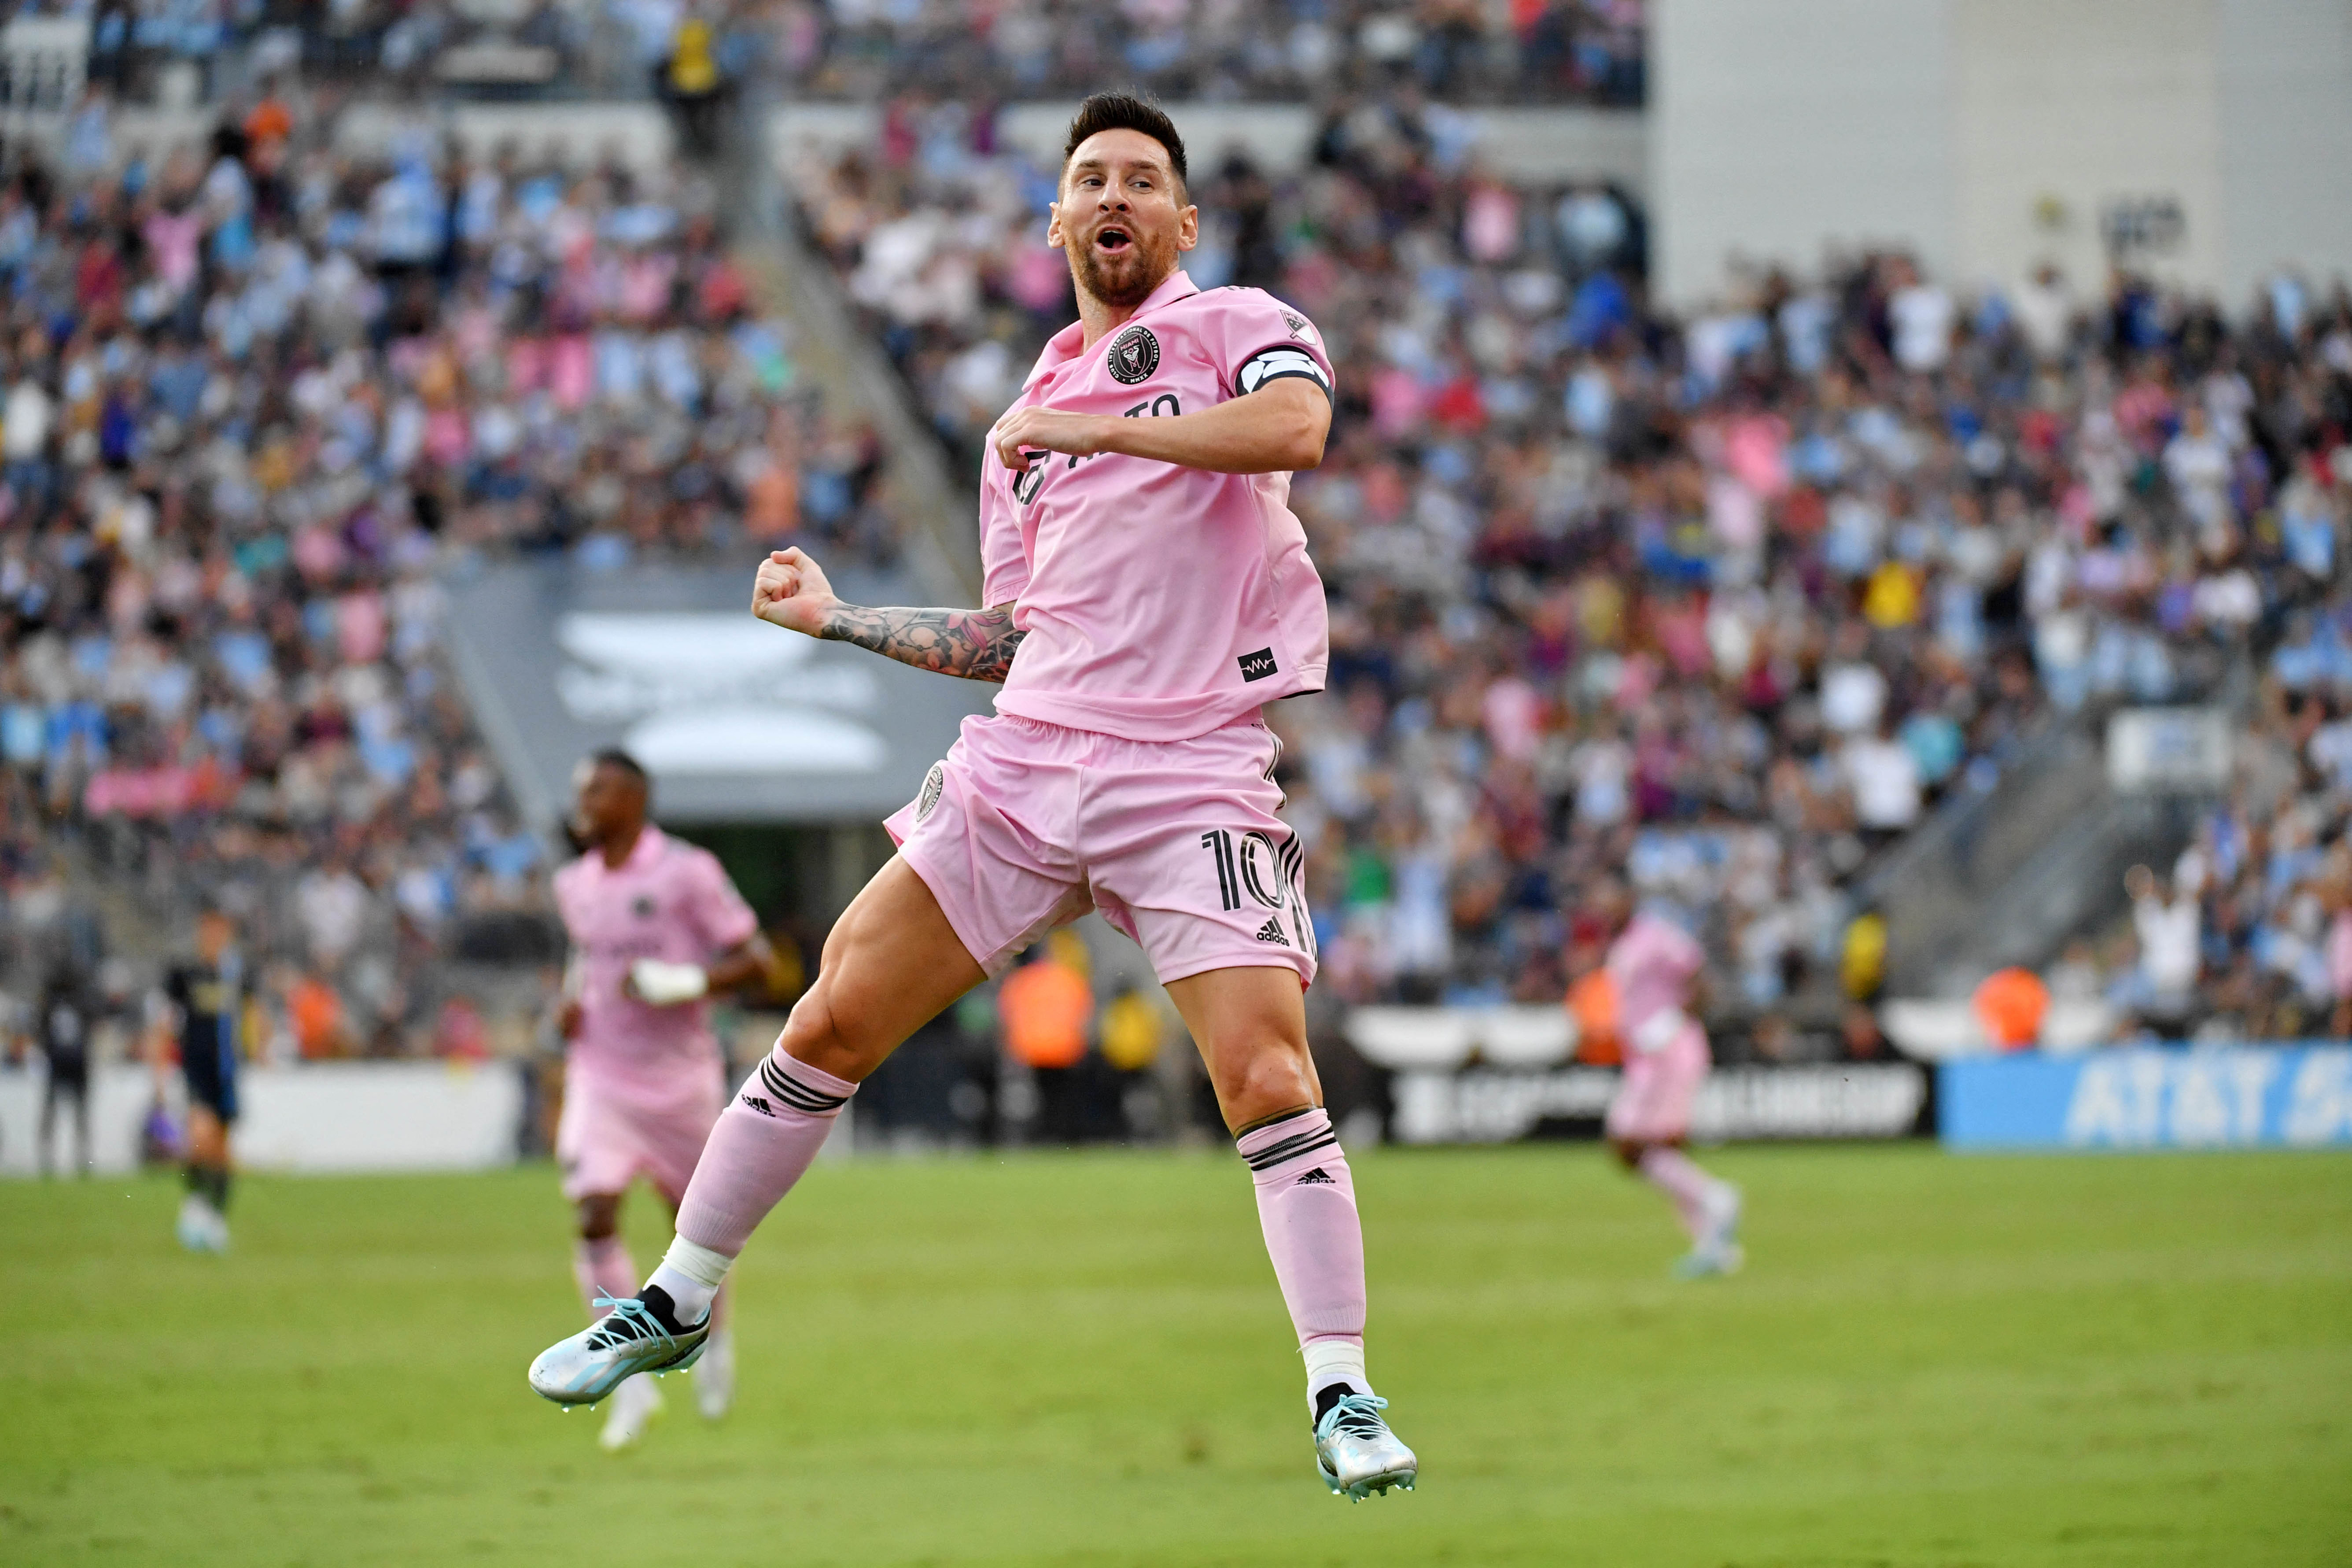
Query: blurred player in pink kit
<point>1139,554</point>
<point>655,926</point>
<point>1653,965</point>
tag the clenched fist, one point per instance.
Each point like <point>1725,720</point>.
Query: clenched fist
<point>790,591</point>
<point>1025,435</point>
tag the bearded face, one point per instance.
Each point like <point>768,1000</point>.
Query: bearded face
<point>1121,266</point>
<point>1122,217</point>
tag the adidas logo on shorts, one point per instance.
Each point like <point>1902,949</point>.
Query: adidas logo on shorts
<point>1318,1177</point>
<point>1271,931</point>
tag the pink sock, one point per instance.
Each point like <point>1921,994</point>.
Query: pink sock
<point>603,1265</point>
<point>759,1149</point>
<point>1307,1206</point>
<point>1688,1188</point>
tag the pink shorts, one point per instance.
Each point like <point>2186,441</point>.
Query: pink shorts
<point>605,1138</point>
<point>1027,825</point>
<point>1655,1097</point>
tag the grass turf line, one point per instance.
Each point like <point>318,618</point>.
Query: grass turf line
<point>1082,1359</point>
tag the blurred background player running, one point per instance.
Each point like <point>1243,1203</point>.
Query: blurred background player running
<point>1653,967</point>
<point>206,993</point>
<point>655,926</point>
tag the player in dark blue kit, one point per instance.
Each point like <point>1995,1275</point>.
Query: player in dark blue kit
<point>208,995</point>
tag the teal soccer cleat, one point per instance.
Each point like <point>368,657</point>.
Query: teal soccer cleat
<point>1354,1452</point>
<point>638,1335</point>
<point>1718,1253</point>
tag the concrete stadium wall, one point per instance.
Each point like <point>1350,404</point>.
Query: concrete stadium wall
<point>1524,143</point>
<point>640,135</point>
<point>2059,113</point>
<point>1780,129</point>
<point>2284,86</point>
<point>1990,135</point>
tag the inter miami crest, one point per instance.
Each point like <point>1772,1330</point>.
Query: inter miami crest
<point>933,782</point>
<point>1134,355</point>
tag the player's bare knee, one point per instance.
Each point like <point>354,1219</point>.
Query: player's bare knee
<point>599,1216</point>
<point>812,1032</point>
<point>1628,1152</point>
<point>1268,1082</point>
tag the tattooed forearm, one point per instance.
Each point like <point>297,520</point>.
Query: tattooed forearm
<point>977,645</point>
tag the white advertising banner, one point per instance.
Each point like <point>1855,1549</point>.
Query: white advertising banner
<point>319,1116</point>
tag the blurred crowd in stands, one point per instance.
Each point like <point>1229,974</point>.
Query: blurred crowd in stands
<point>2248,934</point>
<point>255,399</point>
<point>1525,51</point>
<point>1724,603</point>
<point>1529,50</point>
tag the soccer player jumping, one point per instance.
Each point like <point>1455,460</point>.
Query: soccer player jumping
<point>1142,560</point>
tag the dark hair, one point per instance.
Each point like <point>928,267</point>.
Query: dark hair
<point>1126,112</point>
<point>614,757</point>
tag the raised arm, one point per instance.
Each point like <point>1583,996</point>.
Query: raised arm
<point>1279,428</point>
<point>976,645</point>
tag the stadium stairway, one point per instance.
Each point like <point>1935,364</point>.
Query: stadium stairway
<point>844,362</point>
<point>2011,875</point>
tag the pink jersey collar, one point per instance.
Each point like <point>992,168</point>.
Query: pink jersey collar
<point>641,854</point>
<point>1066,345</point>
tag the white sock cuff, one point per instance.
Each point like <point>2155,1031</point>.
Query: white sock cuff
<point>703,1265</point>
<point>1331,1361</point>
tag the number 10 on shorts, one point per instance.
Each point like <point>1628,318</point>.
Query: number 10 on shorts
<point>1266,871</point>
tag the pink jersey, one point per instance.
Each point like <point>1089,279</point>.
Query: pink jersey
<point>670,900</point>
<point>1160,602</point>
<point>1652,962</point>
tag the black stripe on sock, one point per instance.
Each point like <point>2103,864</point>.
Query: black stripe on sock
<point>798,1095</point>
<point>1280,1147</point>
<point>797,1098</point>
<point>1291,1149</point>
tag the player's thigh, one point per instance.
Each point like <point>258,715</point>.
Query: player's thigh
<point>674,1138</point>
<point>1184,853</point>
<point>891,965</point>
<point>1654,1100</point>
<point>1250,1023</point>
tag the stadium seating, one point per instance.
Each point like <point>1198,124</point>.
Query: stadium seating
<point>256,401</point>
<point>1728,602</point>
<point>1537,50</point>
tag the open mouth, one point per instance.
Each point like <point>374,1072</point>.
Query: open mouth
<point>1113,240</point>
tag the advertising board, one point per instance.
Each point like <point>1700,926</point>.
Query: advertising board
<point>2150,1098</point>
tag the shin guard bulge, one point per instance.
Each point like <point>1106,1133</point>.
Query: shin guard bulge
<point>763,1140</point>
<point>1307,1206</point>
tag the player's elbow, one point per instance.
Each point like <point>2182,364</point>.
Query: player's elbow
<point>1301,437</point>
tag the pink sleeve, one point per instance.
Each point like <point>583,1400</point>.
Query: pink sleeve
<point>1004,564</point>
<point>1255,340</point>
<point>1689,958</point>
<point>719,911</point>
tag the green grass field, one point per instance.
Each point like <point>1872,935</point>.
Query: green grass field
<point>1083,1359</point>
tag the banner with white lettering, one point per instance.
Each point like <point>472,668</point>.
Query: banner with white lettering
<point>2150,1098</point>
<point>1496,1105</point>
